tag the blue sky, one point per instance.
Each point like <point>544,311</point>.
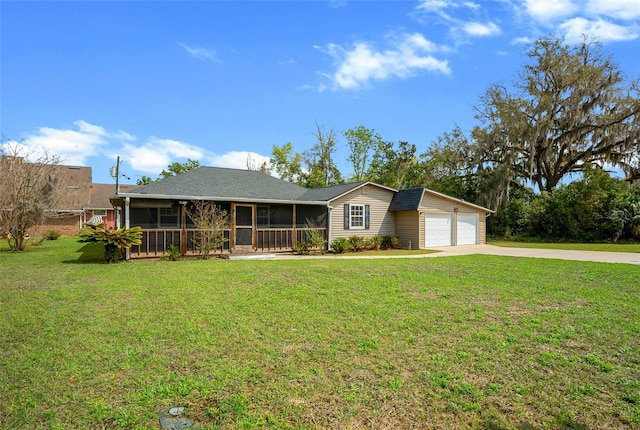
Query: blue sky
<point>222,81</point>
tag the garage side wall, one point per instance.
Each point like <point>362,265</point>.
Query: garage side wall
<point>409,229</point>
<point>382,222</point>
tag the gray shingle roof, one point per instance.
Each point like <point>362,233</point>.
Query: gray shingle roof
<point>216,182</point>
<point>407,200</point>
<point>329,193</point>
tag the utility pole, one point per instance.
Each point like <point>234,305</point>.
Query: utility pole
<point>118,175</point>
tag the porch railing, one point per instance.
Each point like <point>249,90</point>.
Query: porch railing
<point>156,242</point>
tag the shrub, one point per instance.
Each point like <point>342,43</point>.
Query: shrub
<point>374,243</point>
<point>173,253</point>
<point>114,240</point>
<point>52,235</point>
<point>338,245</point>
<point>390,242</point>
<point>302,248</point>
<point>316,241</point>
<point>355,243</point>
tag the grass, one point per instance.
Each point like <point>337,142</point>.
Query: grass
<point>469,341</point>
<point>602,247</point>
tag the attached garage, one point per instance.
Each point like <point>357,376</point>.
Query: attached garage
<point>467,229</point>
<point>438,230</point>
<point>426,219</point>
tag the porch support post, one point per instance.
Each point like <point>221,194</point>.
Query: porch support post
<point>329,219</point>
<point>183,228</point>
<point>127,203</point>
<point>254,226</point>
<point>294,239</point>
<point>232,233</point>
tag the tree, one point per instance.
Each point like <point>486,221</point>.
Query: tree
<point>287,164</point>
<point>395,168</point>
<point>173,169</point>
<point>32,188</point>
<point>447,167</point>
<point>176,168</point>
<point>322,171</point>
<point>211,222</point>
<point>571,108</point>
<point>363,143</point>
<point>144,180</point>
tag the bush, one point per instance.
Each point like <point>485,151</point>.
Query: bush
<point>302,248</point>
<point>355,243</point>
<point>390,242</point>
<point>52,235</point>
<point>173,253</point>
<point>339,245</point>
<point>115,240</point>
<point>313,241</point>
<point>373,243</point>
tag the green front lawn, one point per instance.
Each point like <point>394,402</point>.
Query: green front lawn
<point>603,247</point>
<point>470,341</point>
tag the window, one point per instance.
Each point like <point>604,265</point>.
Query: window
<point>99,212</point>
<point>356,217</point>
<point>168,217</point>
<point>263,218</point>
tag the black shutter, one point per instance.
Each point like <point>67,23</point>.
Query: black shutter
<point>346,216</point>
<point>367,217</point>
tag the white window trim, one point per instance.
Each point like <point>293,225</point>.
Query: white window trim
<point>352,216</point>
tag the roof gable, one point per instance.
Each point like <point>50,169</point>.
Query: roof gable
<point>335,191</point>
<point>407,200</point>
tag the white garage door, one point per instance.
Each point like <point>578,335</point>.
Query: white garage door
<point>467,228</point>
<point>437,230</point>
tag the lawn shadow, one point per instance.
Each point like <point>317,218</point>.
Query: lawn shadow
<point>91,253</point>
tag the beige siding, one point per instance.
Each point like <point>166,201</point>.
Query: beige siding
<point>409,229</point>
<point>382,222</point>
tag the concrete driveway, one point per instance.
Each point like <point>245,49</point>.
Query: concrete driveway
<point>604,257</point>
<point>449,251</point>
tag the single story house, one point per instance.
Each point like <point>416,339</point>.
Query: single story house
<point>268,214</point>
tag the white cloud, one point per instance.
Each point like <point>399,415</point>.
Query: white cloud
<point>626,10</point>
<point>238,160</point>
<point>437,6</point>
<point>156,154</point>
<point>358,65</point>
<point>550,10</point>
<point>479,29</point>
<point>201,53</point>
<point>464,19</point>
<point>72,146</point>
<point>524,40</point>
<point>576,28</point>
<point>607,21</point>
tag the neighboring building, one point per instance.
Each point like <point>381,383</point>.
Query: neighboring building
<point>269,214</point>
<point>100,208</point>
<point>68,220</point>
<point>82,200</point>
